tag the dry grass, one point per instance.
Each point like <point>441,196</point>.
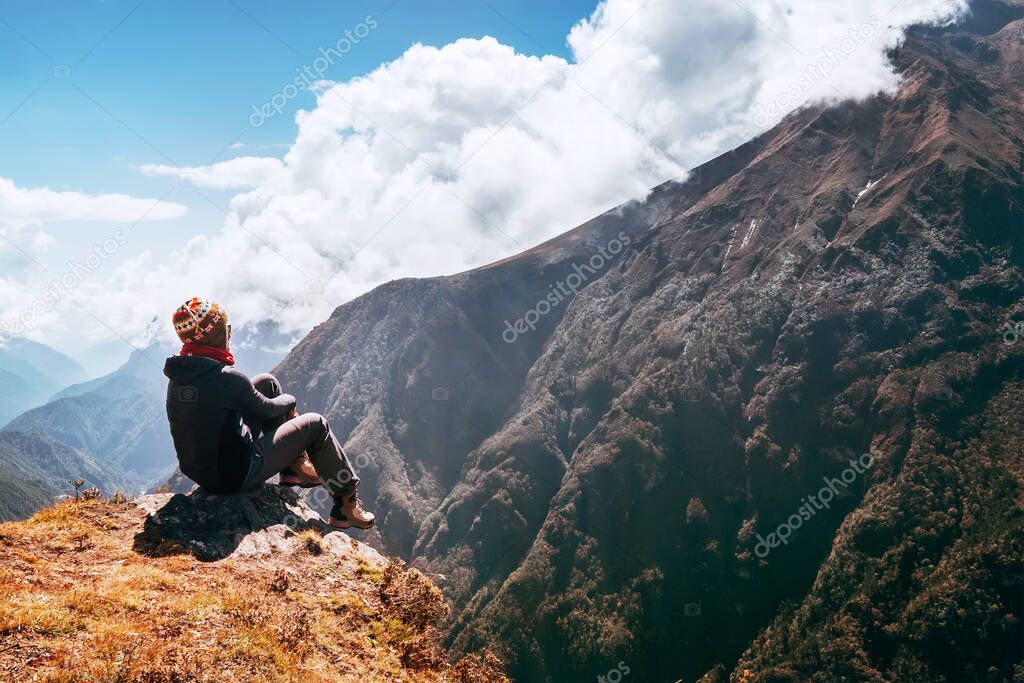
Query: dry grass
<point>311,541</point>
<point>78,604</point>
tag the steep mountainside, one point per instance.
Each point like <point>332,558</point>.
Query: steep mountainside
<point>602,444</point>
<point>35,470</point>
<point>30,373</point>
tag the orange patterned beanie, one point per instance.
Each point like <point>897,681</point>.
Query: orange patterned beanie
<point>200,320</point>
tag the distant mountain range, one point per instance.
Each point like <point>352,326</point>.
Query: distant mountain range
<point>605,448</point>
<point>30,373</point>
<point>117,422</point>
<point>35,468</point>
<point>118,419</point>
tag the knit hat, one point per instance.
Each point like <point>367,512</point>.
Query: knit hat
<point>201,320</point>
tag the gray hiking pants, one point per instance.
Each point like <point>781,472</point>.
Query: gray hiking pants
<point>280,442</point>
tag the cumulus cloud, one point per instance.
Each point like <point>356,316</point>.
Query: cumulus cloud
<point>25,211</point>
<point>450,157</point>
<point>29,291</point>
<point>28,206</point>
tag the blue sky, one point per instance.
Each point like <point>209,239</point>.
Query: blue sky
<point>456,155</point>
<point>151,81</point>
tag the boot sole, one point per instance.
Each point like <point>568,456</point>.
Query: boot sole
<point>338,524</point>
<point>288,481</point>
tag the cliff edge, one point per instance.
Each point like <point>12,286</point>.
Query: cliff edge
<point>228,588</point>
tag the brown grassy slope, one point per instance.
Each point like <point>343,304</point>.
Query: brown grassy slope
<point>78,603</point>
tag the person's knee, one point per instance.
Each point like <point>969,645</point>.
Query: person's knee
<point>319,424</point>
<point>267,384</point>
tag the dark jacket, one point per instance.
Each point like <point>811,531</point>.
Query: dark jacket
<point>206,401</point>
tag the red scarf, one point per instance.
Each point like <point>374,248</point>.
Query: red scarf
<point>215,352</point>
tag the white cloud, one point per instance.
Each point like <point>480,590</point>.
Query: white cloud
<point>24,212</point>
<point>241,172</point>
<point>451,157</point>
<point>32,206</point>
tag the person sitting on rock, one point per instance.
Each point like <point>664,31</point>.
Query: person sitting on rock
<point>232,434</point>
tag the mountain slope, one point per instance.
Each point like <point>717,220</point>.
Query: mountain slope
<point>16,394</point>
<point>52,364</point>
<point>594,482</point>
<point>34,470</point>
<point>118,419</point>
<point>30,373</point>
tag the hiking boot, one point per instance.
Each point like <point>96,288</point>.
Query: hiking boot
<point>300,473</point>
<point>348,512</point>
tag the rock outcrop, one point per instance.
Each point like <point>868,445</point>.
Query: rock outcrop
<point>268,524</point>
